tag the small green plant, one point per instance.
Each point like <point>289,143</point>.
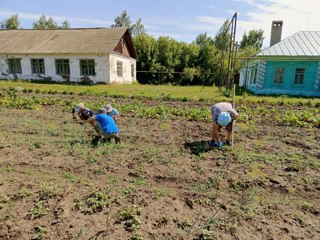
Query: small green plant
<point>95,202</point>
<point>100,171</point>
<point>238,186</point>
<point>131,218</point>
<point>70,176</point>
<point>39,210</point>
<point>185,224</point>
<point>112,179</point>
<point>10,169</point>
<point>23,193</point>
<point>159,193</point>
<point>206,235</point>
<point>49,191</point>
<point>127,192</point>
<point>39,233</point>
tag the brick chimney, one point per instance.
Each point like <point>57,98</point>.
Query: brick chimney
<point>276,30</point>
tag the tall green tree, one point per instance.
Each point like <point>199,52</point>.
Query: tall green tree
<point>44,23</point>
<point>50,23</point>
<point>206,59</point>
<point>203,39</point>
<point>147,57</point>
<point>222,38</point>
<point>11,23</point>
<point>137,28</point>
<point>65,25</point>
<point>254,39</point>
<point>123,20</point>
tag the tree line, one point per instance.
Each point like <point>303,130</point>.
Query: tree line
<point>165,60</point>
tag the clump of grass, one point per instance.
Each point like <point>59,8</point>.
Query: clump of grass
<point>131,218</point>
<point>39,210</point>
<point>94,202</point>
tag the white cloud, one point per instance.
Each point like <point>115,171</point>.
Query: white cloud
<point>210,20</point>
<point>297,15</point>
<point>73,21</point>
<point>161,34</point>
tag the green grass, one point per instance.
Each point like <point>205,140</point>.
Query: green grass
<point>165,92</point>
<point>125,90</point>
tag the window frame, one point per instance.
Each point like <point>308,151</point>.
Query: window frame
<point>299,77</point>
<point>37,66</point>
<point>255,73</point>
<point>87,67</point>
<point>278,76</point>
<point>119,68</point>
<point>132,70</point>
<point>14,65</point>
<point>62,66</point>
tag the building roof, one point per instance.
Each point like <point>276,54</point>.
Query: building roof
<point>300,44</point>
<point>102,41</point>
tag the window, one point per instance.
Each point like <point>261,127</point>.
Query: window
<point>132,70</point>
<point>87,67</point>
<point>252,73</point>
<point>299,76</point>
<point>255,74</point>
<point>14,65</point>
<point>37,66</point>
<point>119,69</point>
<point>278,75</point>
<point>62,67</point>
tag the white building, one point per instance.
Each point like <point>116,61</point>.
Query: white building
<point>93,55</point>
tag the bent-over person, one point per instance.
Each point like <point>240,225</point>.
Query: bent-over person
<point>223,115</point>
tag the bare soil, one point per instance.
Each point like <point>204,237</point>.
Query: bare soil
<point>164,175</point>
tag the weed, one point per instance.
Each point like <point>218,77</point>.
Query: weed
<point>70,177</point>
<point>92,159</point>
<point>159,192</point>
<point>127,192</point>
<point>206,235</point>
<point>238,186</point>
<point>136,236</point>
<point>308,207</point>
<point>49,191</point>
<point>40,233</point>
<point>257,174</point>
<point>101,171</point>
<point>185,224</point>
<point>131,218</point>
<point>23,193</point>
<point>308,180</point>
<point>39,210</point>
<point>203,187</point>
<point>112,179</point>
<point>10,169</point>
<point>94,202</point>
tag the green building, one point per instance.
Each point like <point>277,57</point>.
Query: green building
<point>287,67</point>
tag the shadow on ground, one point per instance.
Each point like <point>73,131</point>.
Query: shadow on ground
<point>198,147</point>
<point>95,141</point>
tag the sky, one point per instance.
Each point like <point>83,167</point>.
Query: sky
<point>182,20</point>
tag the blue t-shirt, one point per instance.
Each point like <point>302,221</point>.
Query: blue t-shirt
<point>107,123</point>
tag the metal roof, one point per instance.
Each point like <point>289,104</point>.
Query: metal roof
<point>300,44</point>
<point>62,41</point>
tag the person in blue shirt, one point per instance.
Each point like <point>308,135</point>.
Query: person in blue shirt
<point>112,112</point>
<point>105,126</point>
<point>82,112</point>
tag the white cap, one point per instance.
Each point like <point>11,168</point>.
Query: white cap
<point>108,108</point>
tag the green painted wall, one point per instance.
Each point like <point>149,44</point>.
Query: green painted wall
<point>289,75</point>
